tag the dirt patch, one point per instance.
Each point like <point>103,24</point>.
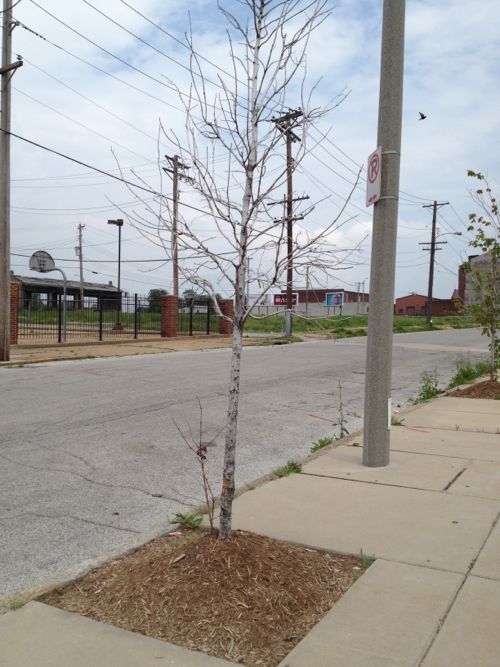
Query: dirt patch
<point>249,600</point>
<point>485,389</point>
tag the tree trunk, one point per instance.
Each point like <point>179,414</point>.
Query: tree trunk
<point>493,370</point>
<point>227,494</point>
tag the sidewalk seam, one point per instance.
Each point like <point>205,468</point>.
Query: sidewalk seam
<point>454,599</point>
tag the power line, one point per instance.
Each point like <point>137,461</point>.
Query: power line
<point>77,122</point>
<point>151,46</point>
<point>165,32</point>
<point>91,101</point>
<point>104,50</point>
<point>96,67</point>
<point>100,261</point>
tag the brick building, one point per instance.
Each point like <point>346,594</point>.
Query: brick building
<point>416,304</point>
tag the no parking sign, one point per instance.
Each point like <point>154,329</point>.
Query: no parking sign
<point>373,174</point>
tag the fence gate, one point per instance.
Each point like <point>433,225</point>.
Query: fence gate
<point>197,316</point>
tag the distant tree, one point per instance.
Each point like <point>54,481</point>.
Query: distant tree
<point>189,294</point>
<point>154,297</point>
<point>486,280</point>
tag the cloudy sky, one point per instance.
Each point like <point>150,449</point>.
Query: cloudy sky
<point>94,88</point>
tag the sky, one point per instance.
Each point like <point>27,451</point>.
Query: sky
<point>96,89</point>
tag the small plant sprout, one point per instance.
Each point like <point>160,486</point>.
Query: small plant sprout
<point>199,447</point>
<point>397,421</point>
<point>428,387</point>
<point>288,469</point>
<point>343,430</point>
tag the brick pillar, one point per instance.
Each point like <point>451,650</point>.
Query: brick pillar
<point>227,307</point>
<point>15,293</point>
<point>169,316</point>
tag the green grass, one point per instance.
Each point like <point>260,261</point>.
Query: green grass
<point>342,326</point>
<point>192,520</point>
<point>396,421</point>
<point>288,469</point>
<point>468,371</point>
<point>322,442</point>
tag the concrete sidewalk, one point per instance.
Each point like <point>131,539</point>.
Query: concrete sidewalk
<point>26,353</point>
<point>430,518</point>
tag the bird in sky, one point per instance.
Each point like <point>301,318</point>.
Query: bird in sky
<point>422,116</point>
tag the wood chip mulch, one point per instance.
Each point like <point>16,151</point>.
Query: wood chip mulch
<point>248,600</point>
<point>486,389</point>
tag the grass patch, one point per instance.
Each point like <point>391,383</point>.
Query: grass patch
<point>342,326</point>
<point>396,421</point>
<point>191,521</point>
<point>288,469</point>
<point>322,442</point>
<point>468,371</point>
<point>16,603</point>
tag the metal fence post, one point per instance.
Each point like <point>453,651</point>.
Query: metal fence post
<point>59,319</point>
<point>136,315</point>
<point>100,318</point>
<point>191,305</point>
<point>208,318</point>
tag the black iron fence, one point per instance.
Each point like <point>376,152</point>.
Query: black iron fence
<point>99,319</point>
<point>197,316</point>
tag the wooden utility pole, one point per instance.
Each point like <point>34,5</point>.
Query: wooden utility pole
<point>6,72</point>
<point>80,257</point>
<point>433,244</point>
<point>286,124</point>
<point>176,165</point>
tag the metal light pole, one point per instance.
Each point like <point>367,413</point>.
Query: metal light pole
<point>119,224</point>
<point>377,414</point>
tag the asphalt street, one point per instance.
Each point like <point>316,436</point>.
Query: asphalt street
<point>92,456</point>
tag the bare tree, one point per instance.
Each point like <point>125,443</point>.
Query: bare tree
<point>232,116</point>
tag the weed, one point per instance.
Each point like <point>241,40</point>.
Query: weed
<point>365,561</point>
<point>322,442</point>
<point>288,469</point>
<point>428,387</point>
<point>396,421</point>
<point>16,603</point>
<point>467,371</point>
<point>343,430</point>
<point>192,520</point>
<point>362,564</point>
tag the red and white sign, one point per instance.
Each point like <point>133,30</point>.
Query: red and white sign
<point>280,299</point>
<point>373,177</point>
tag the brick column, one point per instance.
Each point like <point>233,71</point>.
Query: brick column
<point>227,307</point>
<point>15,293</point>
<point>169,316</point>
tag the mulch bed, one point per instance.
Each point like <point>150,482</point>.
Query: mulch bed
<point>248,600</point>
<point>485,389</point>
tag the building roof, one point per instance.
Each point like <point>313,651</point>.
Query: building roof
<point>58,283</point>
